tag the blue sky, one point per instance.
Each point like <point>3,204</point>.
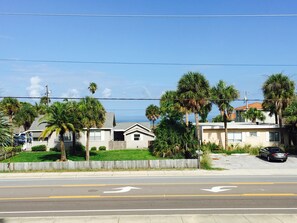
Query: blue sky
<point>223,40</point>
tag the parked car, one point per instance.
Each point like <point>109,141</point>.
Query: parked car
<point>273,153</point>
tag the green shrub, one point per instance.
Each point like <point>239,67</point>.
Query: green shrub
<point>93,148</point>
<point>206,162</point>
<point>55,149</point>
<point>40,148</point>
<point>17,149</point>
<point>102,148</point>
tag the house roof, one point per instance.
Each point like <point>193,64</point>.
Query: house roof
<point>257,105</point>
<point>108,124</point>
<point>123,126</point>
<point>238,125</point>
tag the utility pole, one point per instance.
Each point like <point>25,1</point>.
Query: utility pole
<point>47,92</point>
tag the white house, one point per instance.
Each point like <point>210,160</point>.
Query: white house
<point>112,135</point>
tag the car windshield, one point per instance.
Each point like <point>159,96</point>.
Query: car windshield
<point>275,150</point>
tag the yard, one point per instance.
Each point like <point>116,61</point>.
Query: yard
<point>112,155</point>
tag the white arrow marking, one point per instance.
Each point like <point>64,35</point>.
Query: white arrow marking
<point>121,190</point>
<point>219,189</point>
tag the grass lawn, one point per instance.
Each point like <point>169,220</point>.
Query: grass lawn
<point>112,155</point>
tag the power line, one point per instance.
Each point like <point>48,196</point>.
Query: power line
<point>197,16</point>
<point>149,63</point>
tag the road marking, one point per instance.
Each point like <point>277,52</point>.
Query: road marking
<point>145,196</point>
<point>122,190</point>
<point>149,210</point>
<point>219,189</point>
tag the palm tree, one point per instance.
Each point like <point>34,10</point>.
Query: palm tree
<point>5,134</point>
<point>222,96</point>
<point>92,87</point>
<point>10,106</point>
<point>57,120</point>
<point>92,116</point>
<point>169,106</point>
<point>204,111</point>
<point>278,91</point>
<point>26,115</point>
<point>152,113</point>
<point>193,91</point>
<point>253,114</point>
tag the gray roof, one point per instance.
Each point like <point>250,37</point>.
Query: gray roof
<point>126,125</point>
<point>109,123</point>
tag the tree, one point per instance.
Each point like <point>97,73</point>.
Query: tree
<point>26,115</point>
<point>152,113</point>
<point>57,120</point>
<point>92,116</point>
<point>278,91</point>
<point>10,106</point>
<point>170,106</point>
<point>193,91</point>
<point>290,116</point>
<point>5,134</point>
<point>253,114</point>
<point>204,111</point>
<point>222,96</point>
<point>92,87</point>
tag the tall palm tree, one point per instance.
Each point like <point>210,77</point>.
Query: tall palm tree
<point>57,120</point>
<point>278,91</point>
<point>193,91</point>
<point>92,87</point>
<point>152,113</point>
<point>10,106</point>
<point>222,96</point>
<point>26,115</point>
<point>92,116</point>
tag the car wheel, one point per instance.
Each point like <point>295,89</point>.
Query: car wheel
<point>268,159</point>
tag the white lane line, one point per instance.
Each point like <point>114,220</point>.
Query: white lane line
<point>147,210</point>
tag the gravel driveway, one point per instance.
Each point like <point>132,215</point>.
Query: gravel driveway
<point>251,162</point>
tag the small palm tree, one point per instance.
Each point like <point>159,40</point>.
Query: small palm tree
<point>5,136</point>
<point>57,120</point>
<point>222,96</point>
<point>92,87</point>
<point>10,106</point>
<point>92,115</point>
<point>253,114</point>
<point>26,115</point>
<point>152,113</point>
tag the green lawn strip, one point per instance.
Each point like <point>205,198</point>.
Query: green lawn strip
<point>113,155</point>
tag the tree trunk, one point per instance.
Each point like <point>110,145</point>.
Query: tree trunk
<point>281,127</point>
<point>187,119</point>
<point>226,131</point>
<point>87,145</point>
<point>276,119</point>
<point>73,143</point>
<point>11,131</point>
<point>62,148</point>
<point>197,127</point>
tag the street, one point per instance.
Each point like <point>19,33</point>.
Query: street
<point>134,195</point>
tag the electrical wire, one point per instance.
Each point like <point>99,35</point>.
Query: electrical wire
<point>149,63</point>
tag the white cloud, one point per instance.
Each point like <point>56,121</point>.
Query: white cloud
<point>72,93</point>
<point>35,87</point>
<point>106,93</point>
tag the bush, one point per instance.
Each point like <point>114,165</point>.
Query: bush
<point>93,148</point>
<point>40,148</point>
<point>17,149</point>
<point>102,148</point>
<point>206,162</point>
<point>55,149</point>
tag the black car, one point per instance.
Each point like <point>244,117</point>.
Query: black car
<point>273,153</point>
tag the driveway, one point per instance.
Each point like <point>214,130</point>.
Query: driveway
<point>251,162</point>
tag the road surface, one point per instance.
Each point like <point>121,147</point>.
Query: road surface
<point>148,196</point>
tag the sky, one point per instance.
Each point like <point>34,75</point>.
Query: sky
<point>134,44</point>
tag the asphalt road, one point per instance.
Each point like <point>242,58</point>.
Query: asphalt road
<point>148,195</point>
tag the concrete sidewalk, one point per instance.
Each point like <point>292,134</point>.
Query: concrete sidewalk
<point>202,218</point>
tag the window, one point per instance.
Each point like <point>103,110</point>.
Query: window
<point>67,137</point>
<point>95,135</point>
<point>273,136</point>
<point>253,134</point>
<point>234,136</point>
<point>136,137</point>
